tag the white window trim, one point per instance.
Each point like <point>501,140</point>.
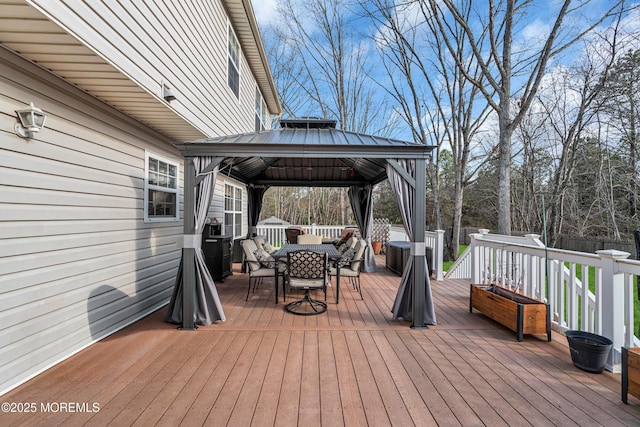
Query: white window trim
<point>234,212</point>
<point>148,187</point>
<point>261,110</point>
<point>230,30</point>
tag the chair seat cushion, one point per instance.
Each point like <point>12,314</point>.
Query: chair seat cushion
<point>306,283</point>
<point>344,272</point>
<point>263,272</point>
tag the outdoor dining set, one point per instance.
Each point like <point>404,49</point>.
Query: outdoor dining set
<point>306,262</point>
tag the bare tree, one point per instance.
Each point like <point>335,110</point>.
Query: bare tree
<point>322,68</point>
<point>503,67</point>
<point>622,106</point>
<point>568,101</point>
<point>333,66</point>
<point>434,98</point>
<point>286,70</point>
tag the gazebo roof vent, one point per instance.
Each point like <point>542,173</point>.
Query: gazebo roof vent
<point>308,122</point>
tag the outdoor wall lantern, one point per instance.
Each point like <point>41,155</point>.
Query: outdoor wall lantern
<point>31,121</point>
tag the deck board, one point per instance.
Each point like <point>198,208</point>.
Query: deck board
<point>353,365</point>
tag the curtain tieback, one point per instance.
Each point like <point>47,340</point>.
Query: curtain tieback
<point>417,248</point>
<point>192,241</point>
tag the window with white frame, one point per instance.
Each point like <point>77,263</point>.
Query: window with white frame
<point>232,210</point>
<point>262,113</point>
<point>233,67</point>
<point>160,189</point>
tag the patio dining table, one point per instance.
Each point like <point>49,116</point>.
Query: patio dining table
<point>329,249</point>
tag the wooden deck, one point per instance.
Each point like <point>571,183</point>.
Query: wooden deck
<point>350,366</point>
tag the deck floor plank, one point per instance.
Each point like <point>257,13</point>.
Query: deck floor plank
<point>289,402</point>
<point>392,400</point>
<point>425,376</point>
<point>517,410</point>
<point>193,388</point>
<point>354,365</point>
<point>352,404</point>
<point>201,408</point>
<point>309,413</point>
<point>247,401</point>
<point>267,404</point>
<point>330,404</point>
<point>365,382</point>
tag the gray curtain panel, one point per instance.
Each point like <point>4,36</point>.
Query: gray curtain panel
<point>255,195</point>
<point>405,195</point>
<point>208,306</point>
<point>361,199</point>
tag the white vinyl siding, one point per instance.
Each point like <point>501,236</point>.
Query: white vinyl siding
<point>182,42</point>
<point>78,262</point>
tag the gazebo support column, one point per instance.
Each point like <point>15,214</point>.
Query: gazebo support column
<point>418,246</point>
<point>188,251</point>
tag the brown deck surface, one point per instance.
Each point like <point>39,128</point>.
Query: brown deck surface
<point>350,366</point>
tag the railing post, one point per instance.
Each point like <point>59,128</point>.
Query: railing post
<point>476,263</point>
<point>613,304</point>
<point>438,255</point>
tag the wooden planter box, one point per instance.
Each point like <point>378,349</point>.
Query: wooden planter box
<point>630,372</point>
<point>517,312</point>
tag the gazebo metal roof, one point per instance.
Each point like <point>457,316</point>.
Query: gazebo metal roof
<point>305,156</point>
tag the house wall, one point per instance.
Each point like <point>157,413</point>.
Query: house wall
<point>181,42</point>
<point>77,262</point>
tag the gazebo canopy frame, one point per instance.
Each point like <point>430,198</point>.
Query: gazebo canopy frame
<point>316,156</point>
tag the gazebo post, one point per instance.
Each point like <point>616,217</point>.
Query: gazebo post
<point>418,245</point>
<point>188,251</point>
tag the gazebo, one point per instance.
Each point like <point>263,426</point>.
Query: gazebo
<point>303,152</point>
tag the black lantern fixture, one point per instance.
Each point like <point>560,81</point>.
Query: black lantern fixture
<point>31,121</point>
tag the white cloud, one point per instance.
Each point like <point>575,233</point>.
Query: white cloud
<point>265,10</point>
<point>536,31</point>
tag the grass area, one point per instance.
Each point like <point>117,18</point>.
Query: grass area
<point>447,265</point>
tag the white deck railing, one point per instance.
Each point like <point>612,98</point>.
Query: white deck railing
<point>560,278</point>
<point>275,235</point>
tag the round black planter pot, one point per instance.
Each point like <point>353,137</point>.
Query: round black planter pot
<point>589,352</point>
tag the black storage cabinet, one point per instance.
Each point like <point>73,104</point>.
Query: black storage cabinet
<point>398,254</point>
<point>217,255</point>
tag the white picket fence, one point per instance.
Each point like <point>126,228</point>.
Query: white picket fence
<point>560,278</point>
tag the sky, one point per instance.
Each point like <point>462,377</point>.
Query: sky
<point>265,10</point>
<point>532,29</point>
